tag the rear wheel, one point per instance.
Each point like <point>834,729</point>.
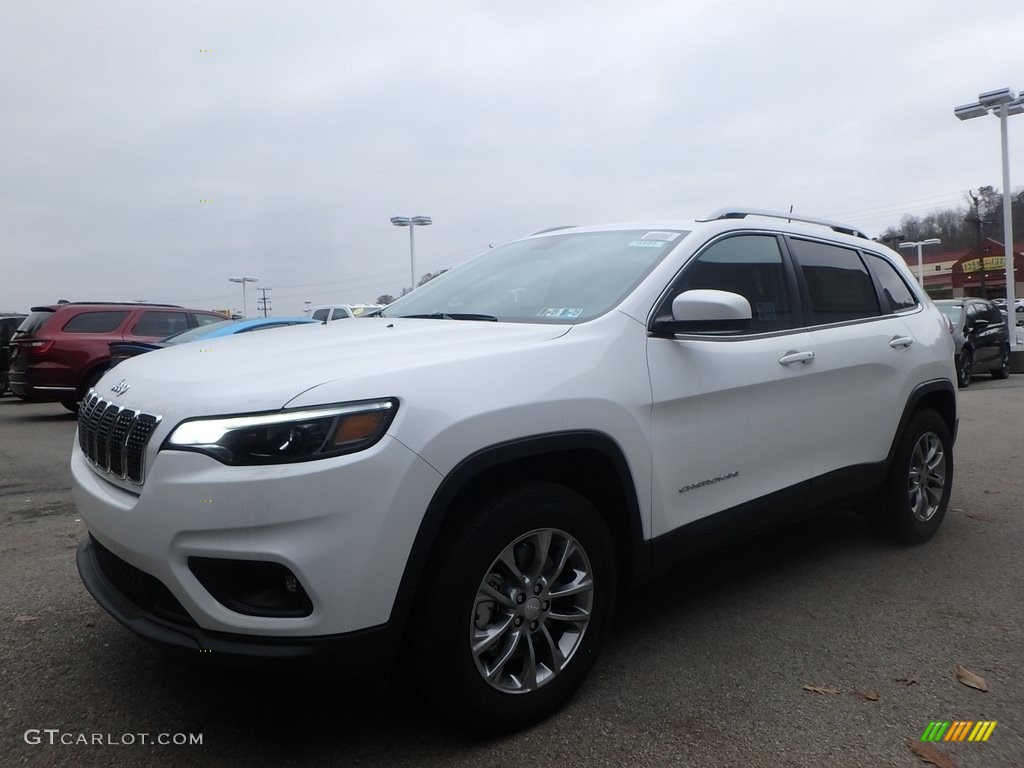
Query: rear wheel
<point>963,368</point>
<point>914,497</point>
<point>1004,365</point>
<point>517,609</point>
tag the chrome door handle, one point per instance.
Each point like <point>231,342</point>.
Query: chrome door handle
<point>796,357</point>
<point>901,341</point>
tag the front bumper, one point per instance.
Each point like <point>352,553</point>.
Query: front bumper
<point>352,652</point>
<point>344,526</point>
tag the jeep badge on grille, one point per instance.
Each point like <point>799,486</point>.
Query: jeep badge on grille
<point>120,388</point>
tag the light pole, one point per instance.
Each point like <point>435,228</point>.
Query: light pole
<point>920,260</point>
<point>243,281</point>
<point>411,223</point>
<point>1001,103</point>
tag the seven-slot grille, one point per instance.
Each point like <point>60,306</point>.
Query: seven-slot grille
<point>113,438</point>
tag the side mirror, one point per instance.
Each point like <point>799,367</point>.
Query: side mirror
<point>705,311</point>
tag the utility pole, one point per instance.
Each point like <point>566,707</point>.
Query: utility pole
<point>892,240</point>
<point>975,218</point>
<point>263,302</point>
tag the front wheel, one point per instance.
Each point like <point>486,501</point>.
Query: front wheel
<point>1003,370</point>
<point>518,608</point>
<point>914,497</point>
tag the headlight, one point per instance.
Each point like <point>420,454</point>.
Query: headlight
<point>278,437</point>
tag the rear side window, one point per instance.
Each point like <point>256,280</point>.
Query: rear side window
<point>95,322</point>
<point>202,320</point>
<point>893,288</point>
<point>750,265</point>
<point>339,314</point>
<point>161,324</point>
<point>838,283</point>
<point>321,314</point>
<point>35,320</point>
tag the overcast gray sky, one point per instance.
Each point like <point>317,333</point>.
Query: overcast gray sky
<point>309,124</point>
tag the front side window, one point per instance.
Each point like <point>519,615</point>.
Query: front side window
<point>559,278</point>
<point>202,319</point>
<point>838,283</point>
<point>339,314</point>
<point>321,314</point>
<point>95,322</point>
<point>750,265</point>
<point>161,324</point>
<point>893,288</point>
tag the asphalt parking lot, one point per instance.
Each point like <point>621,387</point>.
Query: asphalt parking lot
<point>704,668</point>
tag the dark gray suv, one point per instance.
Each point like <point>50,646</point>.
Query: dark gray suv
<point>981,337</point>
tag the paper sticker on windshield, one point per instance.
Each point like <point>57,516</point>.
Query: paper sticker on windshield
<point>647,244</point>
<point>569,312</point>
<point>668,237</point>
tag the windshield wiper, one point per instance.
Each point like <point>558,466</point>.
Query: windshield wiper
<point>452,316</point>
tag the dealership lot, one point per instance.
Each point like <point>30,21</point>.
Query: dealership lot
<point>704,668</point>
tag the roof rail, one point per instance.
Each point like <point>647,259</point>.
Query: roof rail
<point>123,303</point>
<point>552,229</point>
<point>742,213</point>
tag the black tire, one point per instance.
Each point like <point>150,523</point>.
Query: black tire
<point>71,405</point>
<point>892,516</point>
<point>963,369</point>
<point>449,610</point>
<point>1003,371</point>
<point>94,377</point>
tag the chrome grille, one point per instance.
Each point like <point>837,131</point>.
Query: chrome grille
<point>114,439</point>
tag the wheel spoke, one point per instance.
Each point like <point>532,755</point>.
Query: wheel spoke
<point>482,640</point>
<point>580,614</point>
<point>508,559</point>
<point>498,595</point>
<point>499,665</point>
<point>582,584</point>
<point>529,674</point>
<point>567,552</point>
<point>540,554</point>
<point>557,657</point>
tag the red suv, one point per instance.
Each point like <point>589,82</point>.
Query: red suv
<point>60,351</point>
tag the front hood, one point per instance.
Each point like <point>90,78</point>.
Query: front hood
<point>264,370</point>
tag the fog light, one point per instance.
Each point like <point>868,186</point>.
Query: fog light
<point>252,587</point>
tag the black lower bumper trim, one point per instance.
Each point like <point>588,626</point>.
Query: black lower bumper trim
<point>355,653</point>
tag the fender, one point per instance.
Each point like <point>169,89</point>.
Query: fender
<point>503,453</point>
<point>936,386</point>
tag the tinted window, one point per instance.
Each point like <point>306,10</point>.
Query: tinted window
<point>321,314</point>
<point>838,283</point>
<point>893,288</point>
<point>202,320</point>
<point>161,324</point>
<point>94,322</point>
<point>197,333</point>
<point>35,320</point>
<point>750,265</point>
<point>994,315</point>
<point>339,314</point>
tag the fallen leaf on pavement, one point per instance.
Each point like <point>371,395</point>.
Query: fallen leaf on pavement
<point>905,680</point>
<point>867,695</point>
<point>971,680</point>
<point>929,754</point>
<point>22,618</point>
<point>821,689</point>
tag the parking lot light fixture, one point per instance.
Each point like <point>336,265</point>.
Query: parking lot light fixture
<point>411,222</point>
<point>1001,103</point>
<point>243,281</point>
<point>920,260</point>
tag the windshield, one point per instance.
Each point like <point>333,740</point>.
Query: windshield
<point>559,278</point>
<point>194,333</point>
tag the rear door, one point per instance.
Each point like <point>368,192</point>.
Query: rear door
<point>157,324</point>
<point>864,351</point>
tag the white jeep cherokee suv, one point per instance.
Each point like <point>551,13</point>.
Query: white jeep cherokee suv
<point>473,474</point>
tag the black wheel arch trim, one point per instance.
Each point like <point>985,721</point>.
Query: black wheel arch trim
<point>493,456</point>
<point>913,402</point>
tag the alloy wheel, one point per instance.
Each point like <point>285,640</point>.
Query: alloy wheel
<point>927,477</point>
<point>531,611</point>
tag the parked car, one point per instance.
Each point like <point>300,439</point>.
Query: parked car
<point>981,338</point>
<point>61,350</point>
<point>468,479</point>
<point>8,325</point>
<point>342,311</point>
<point>122,350</point>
